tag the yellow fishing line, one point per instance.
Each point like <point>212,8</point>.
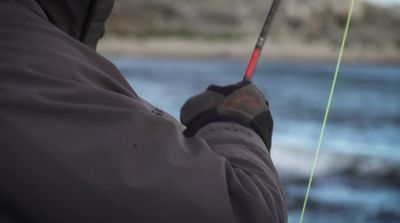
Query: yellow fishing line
<point>328,107</point>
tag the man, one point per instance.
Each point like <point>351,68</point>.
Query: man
<point>78,145</point>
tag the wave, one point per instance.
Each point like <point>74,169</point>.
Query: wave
<point>296,163</point>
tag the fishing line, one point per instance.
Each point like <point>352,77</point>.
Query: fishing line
<point>328,107</point>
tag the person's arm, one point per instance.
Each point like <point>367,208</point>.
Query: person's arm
<point>118,159</point>
<point>255,190</point>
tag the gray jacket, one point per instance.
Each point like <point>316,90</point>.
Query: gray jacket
<point>78,145</point>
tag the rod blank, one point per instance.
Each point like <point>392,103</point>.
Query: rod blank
<point>255,56</point>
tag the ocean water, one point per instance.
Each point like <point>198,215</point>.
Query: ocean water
<point>358,173</point>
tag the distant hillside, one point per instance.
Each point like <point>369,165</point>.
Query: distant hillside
<point>302,21</point>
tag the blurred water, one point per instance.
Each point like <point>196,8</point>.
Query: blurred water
<point>359,171</point>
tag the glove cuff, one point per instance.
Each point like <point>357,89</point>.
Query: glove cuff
<point>212,116</point>
<point>231,131</point>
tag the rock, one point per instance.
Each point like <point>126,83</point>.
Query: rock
<point>311,22</point>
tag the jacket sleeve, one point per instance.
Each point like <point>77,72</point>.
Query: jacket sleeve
<point>230,168</point>
<point>237,167</point>
<point>79,162</point>
<point>255,191</point>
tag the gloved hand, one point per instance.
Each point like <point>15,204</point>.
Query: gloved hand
<point>242,103</point>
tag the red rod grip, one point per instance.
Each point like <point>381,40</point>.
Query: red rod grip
<point>252,64</point>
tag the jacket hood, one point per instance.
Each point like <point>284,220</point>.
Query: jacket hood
<point>84,20</point>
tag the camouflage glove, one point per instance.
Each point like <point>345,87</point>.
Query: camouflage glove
<point>242,103</point>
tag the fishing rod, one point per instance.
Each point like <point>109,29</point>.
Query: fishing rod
<point>255,57</point>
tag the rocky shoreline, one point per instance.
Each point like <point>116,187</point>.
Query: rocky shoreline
<point>177,47</point>
<point>303,30</point>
